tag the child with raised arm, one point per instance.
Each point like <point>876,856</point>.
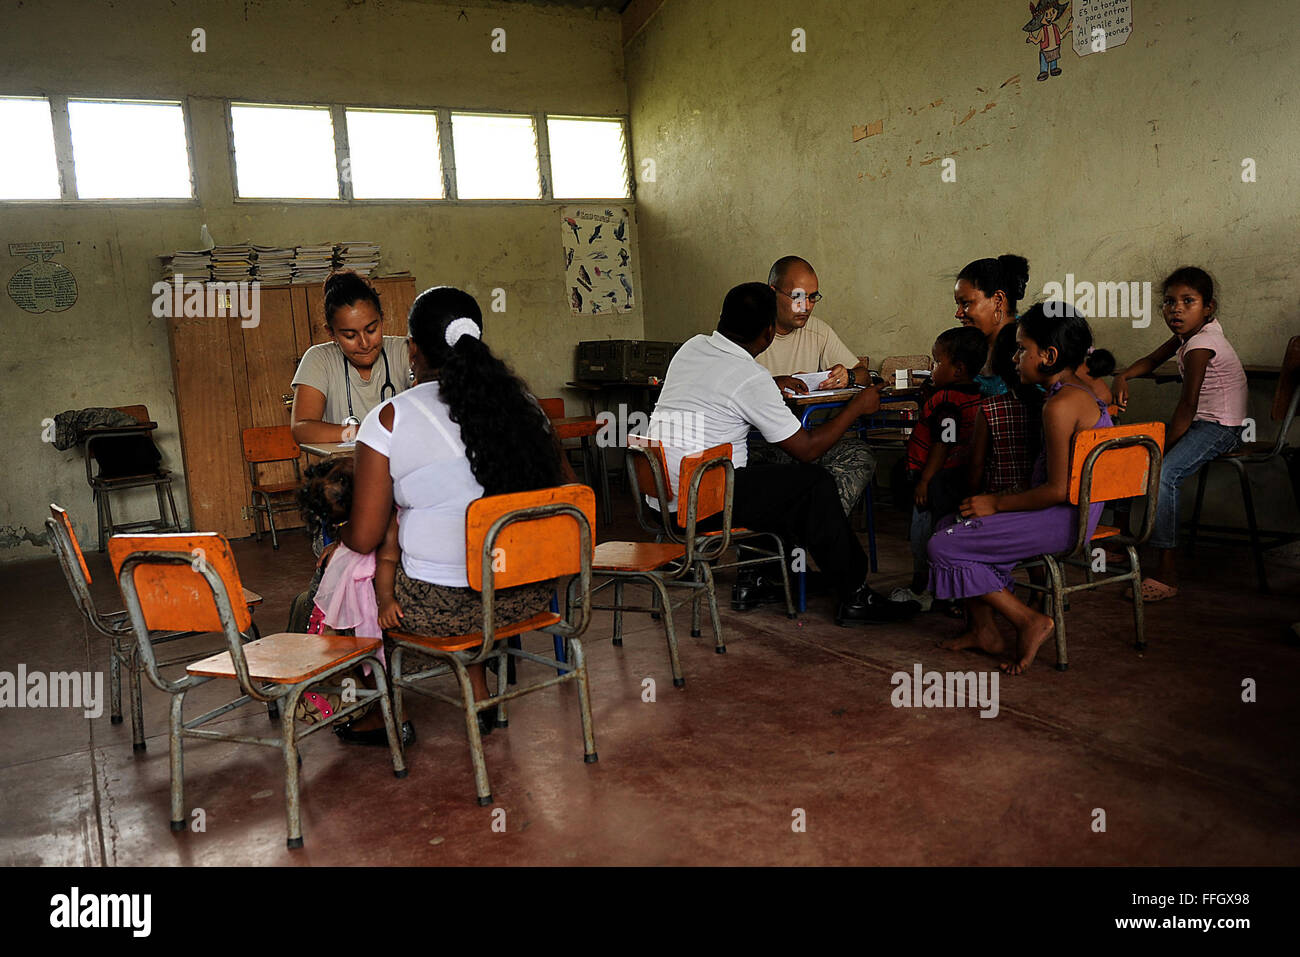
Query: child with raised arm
<point>973,556</point>
<point>354,592</point>
<point>1211,408</point>
<point>939,448</point>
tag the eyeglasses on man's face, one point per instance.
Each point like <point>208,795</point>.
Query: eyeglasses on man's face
<point>799,295</point>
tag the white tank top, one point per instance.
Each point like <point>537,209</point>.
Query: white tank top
<point>432,482</point>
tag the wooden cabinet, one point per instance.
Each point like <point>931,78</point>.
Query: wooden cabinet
<point>229,378</point>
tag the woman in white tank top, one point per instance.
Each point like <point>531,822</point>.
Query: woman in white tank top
<point>467,428</point>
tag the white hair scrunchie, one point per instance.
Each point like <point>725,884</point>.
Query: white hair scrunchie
<point>464,326</point>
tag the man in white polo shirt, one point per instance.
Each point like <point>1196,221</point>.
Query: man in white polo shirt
<point>806,344</point>
<point>714,392</point>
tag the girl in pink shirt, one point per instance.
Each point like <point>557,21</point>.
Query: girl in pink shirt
<point>1211,409</point>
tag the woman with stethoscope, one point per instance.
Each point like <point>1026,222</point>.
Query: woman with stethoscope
<point>338,382</point>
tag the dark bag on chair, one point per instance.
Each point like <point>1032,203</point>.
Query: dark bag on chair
<point>120,456</point>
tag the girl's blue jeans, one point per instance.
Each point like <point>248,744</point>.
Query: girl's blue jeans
<point>1201,443</point>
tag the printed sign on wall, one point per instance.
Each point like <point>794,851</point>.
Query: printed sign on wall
<point>1101,25</point>
<point>597,252</point>
<point>42,285</point>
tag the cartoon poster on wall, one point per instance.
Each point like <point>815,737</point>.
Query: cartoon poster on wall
<point>1048,27</point>
<point>597,253</point>
<point>1101,25</point>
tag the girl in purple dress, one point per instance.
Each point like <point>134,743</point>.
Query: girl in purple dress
<point>972,554</point>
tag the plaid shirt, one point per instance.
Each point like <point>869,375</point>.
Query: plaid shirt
<point>1012,428</point>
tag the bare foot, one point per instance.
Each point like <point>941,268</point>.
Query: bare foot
<point>1028,640</point>
<point>986,638</point>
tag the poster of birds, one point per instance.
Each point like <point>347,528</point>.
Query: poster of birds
<point>597,253</point>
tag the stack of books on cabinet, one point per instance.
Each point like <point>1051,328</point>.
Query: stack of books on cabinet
<point>361,257</point>
<point>273,264</point>
<point>193,265</point>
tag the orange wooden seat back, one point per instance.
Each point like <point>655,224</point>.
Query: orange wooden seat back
<point>61,516</point>
<point>1288,381</point>
<point>644,477</point>
<point>176,597</point>
<point>532,550</point>
<point>713,487</point>
<point>272,443</point>
<point>1117,473</point>
<point>554,408</point>
<point>138,412</point>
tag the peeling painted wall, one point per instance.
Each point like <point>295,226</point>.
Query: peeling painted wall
<point>109,350</point>
<point>1122,168</point>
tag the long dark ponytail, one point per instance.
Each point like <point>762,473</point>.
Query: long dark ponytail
<point>508,439</point>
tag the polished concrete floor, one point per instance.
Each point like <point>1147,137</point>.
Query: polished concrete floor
<point>794,724</point>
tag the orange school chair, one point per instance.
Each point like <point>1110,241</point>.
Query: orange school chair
<point>520,538</point>
<point>100,446</point>
<point>1106,465</point>
<point>707,479</point>
<point>263,446</point>
<point>116,627</point>
<point>185,582</point>
<point>1285,400</point>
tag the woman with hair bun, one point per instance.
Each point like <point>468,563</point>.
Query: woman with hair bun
<point>338,382</point>
<point>467,428</point>
<point>987,293</point>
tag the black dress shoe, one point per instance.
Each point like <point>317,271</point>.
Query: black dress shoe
<point>754,590</point>
<point>487,720</point>
<point>377,737</point>
<point>873,608</point>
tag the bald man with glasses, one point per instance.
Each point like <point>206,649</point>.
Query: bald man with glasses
<point>804,344</point>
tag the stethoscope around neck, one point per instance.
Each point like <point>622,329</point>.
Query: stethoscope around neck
<point>347,384</point>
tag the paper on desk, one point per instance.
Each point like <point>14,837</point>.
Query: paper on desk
<point>814,379</point>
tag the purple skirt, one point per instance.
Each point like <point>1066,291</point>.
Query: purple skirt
<point>970,557</point>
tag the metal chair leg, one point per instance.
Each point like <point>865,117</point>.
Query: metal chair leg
<point>669,633</point>
<point>696,595</point>
<point>1139,624</point>
<point>270,520</point>
<point>395,663</point>
<point>171,500</point>
<point>289,745</point>
<point>115,681</point>
<point>481,786</point>
<point>1256,547</point>
<point>711,591</point>
<point>177,761</point>
<point>391,728</point>
<point>137,701</point>
<point>618,611</point>
<point>1055,579</point>
<point>589,755</point>
<point>257,519</point>
<point>1196,512</point>
<point>107,530</point>
<point>785,578</point>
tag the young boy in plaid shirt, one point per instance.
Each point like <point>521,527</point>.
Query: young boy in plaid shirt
<point>939,450</point>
